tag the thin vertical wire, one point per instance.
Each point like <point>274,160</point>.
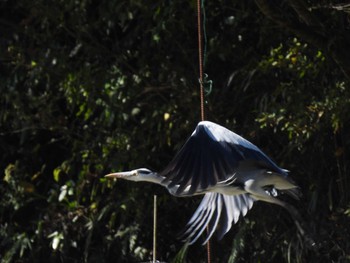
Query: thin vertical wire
<point>200,60</point>
<point>154,228</point>
<point>208,248</point>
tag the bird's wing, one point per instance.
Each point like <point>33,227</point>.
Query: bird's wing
<point>211,155</point>
<point>216,212</point>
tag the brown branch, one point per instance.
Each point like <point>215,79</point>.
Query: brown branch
<point>296,27</point>
<point>309,29</point>
<point>304,13</point>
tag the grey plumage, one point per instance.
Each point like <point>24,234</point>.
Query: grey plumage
<point>231,172</point>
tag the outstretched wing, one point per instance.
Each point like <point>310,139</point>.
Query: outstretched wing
<point>211,155</point>
<point>216,212</point>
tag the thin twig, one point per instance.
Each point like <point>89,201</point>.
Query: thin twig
<point>154,228</point>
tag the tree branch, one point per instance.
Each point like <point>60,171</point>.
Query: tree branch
<point>311,30</point>
<point>305,15</point>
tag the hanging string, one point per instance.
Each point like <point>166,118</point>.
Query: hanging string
<point>207,84</point>
<point>204,34</point>
<point>202,81</point>
<point>200,58</point>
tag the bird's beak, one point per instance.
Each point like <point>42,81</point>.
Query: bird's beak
<point>120,175</point>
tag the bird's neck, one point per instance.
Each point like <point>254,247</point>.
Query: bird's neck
<point>153,178</point>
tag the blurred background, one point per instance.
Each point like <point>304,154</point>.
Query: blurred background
<point>89,87</point>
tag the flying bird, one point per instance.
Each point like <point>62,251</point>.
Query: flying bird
<point>231,173</point>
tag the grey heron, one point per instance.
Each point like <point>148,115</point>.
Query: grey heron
<point>231,173</point>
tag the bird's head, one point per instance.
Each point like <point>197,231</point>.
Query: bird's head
<point>137,175</point>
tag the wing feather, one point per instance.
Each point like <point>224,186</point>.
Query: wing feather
<point>212,155</point>
<point>216,212</point>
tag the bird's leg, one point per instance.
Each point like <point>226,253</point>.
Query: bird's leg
<point>300,223</point>
<point>255,188</point>
<point>258,193</point>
